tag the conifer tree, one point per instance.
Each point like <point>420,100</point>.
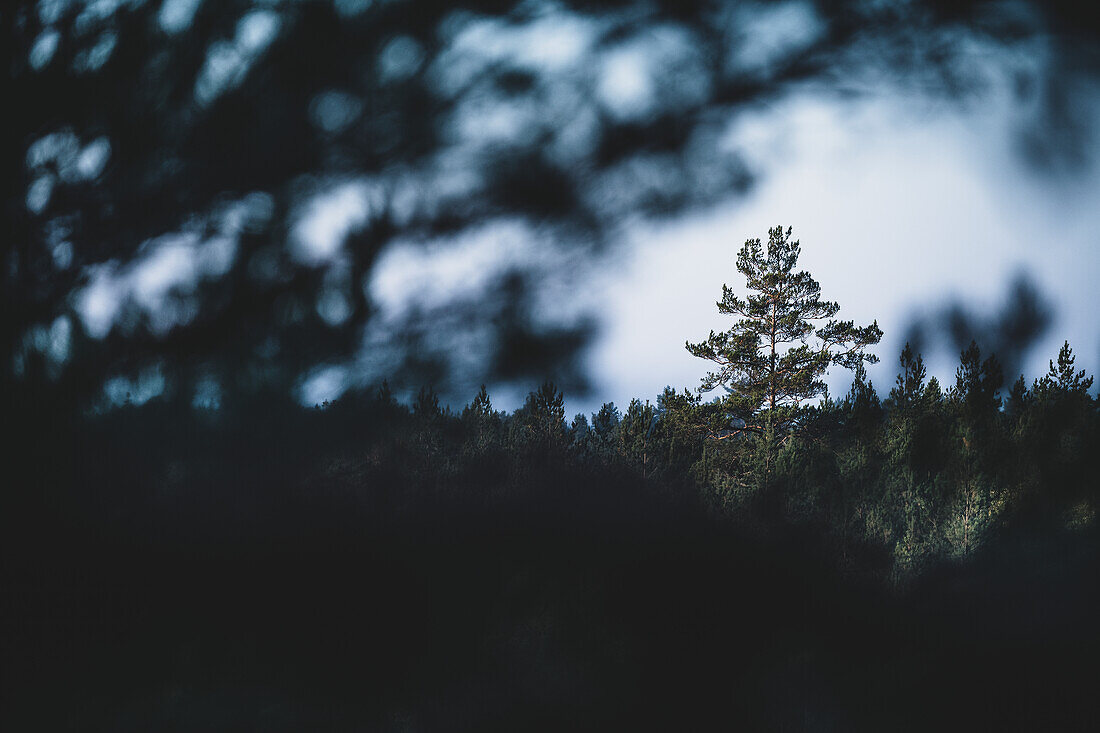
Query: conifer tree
<point>977,383</point>
<point>1058,428</point>
<point>481,408</point>
<point>771,362</point>
<point>1017,397</point>
<point>1062,377</point>
<point>483,421</point>
<point>636,433</point>
<point>579,434</point>
<point>910,382</point>
<point>427,403</point>
<point>978,447</point>
<point>907,490</point>
<point>605,427</point>
<point>544,415</point>
<point>384,395</point>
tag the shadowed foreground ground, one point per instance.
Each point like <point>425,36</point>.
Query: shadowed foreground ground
<point>283,591</point>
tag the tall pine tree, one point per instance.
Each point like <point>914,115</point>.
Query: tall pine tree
<point>772,361</point>
<point>774,357</point>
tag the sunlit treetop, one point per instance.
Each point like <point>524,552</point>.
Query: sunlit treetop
<point>785,338</point>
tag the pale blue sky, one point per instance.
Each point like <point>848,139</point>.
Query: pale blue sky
<point>899,203</point>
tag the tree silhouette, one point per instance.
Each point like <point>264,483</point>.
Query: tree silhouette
<point>768,378</point>
<point>544,416</point>
<point>1062,377</point>
<point>764,372</point>
<point>910,382</point>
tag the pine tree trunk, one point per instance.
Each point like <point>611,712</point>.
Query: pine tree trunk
<point>769,425</point>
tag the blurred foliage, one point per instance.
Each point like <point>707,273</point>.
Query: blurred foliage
<point>202,190</point>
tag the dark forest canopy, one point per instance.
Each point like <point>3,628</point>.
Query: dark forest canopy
<point>198,136</point>
<point>921,476</point>
<point>895,484</point>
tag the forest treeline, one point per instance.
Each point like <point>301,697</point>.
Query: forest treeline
<point>894,483</point>
<point>922,475</point>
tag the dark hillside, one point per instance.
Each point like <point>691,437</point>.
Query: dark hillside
<point>364,567</point>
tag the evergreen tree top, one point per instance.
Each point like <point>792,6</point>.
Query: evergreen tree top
<point>1064,376</point>
<point>910,382</point>
<point>774,356</point>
